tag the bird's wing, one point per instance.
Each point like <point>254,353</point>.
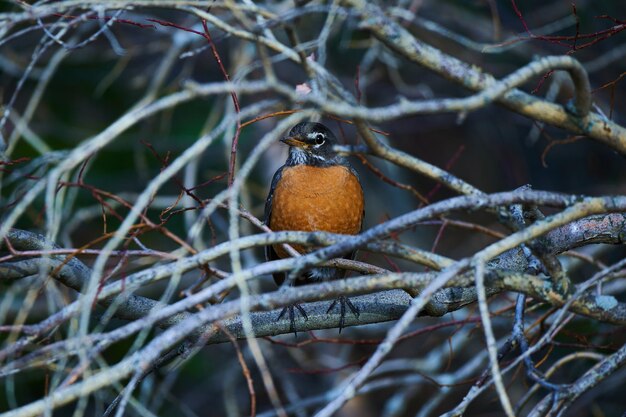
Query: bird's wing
<point>354,172</point>
<point>270,254</point>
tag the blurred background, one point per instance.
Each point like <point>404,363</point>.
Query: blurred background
<point>58,91</point>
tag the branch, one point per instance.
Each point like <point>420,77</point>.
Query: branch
<point>599,373</point>
<point>608,229</point>
<point>398,39</point>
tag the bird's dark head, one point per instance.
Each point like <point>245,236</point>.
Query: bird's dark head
<point>311,144</point>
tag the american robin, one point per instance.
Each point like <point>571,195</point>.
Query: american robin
<point>315,190</point>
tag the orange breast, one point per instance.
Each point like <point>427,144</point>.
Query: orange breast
<point>317,199</point>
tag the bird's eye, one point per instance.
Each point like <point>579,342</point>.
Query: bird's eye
<point>319,139</point>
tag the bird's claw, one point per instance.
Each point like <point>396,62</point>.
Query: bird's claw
<point>343,302</point>
<point>292,316</point>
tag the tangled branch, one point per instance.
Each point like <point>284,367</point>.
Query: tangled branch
<point>131,248</point>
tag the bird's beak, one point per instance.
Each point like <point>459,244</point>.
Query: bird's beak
<point>294,141</point>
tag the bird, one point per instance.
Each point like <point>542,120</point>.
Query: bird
<point>315,190</point>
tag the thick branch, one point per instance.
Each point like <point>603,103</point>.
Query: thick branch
<point>401,41</point>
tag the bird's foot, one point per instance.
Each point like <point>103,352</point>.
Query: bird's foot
<point>343,302</point>
<point>292,316</point>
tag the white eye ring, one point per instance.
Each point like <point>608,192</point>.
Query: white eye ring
<point>320,139</point>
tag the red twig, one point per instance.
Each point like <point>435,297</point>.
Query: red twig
<point>390,181</point>
<point>207,35</point>
<point>188,191</point>
<point>244,369</point>
<point>391,263</point>
<point>542,80</point>
<point>439,235</point>
<point>451,162</point>
<point>571,41</point>
<point>521,18</point>
<point>100,194</point>
<point>174,25</point>
<point>465,225</point>
<point>554,142</point>
<point>209,181</point>
<point>613,85</point>
<point>577,26</point>
<point>11,163</point>
<point>233,148</point>
<point>267,116</point>
<point>350,122</point>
